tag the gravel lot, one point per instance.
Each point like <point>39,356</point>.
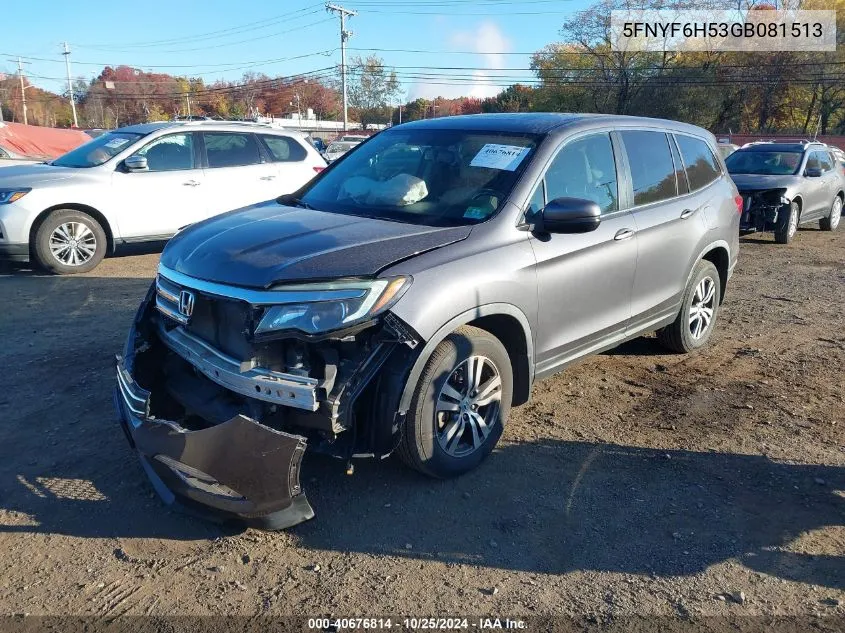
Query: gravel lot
<point>636,483</point>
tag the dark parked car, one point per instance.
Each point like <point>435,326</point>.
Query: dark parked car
<point>786,184</point>
<point>412,293</point>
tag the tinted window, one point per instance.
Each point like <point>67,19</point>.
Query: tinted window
<point>702,168</point>
<point>226,149</point>
<point>168,153</point>
<point>283,148</point>
<point>585,169</point>
<point>652,170</point>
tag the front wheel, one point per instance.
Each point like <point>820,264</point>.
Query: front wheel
<point>69,242</point>
<point>832,221</point>
<point>460,405</point>
<point>789,226</point>
<point>699,308</point>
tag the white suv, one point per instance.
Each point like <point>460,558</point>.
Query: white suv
<point>144,183</point>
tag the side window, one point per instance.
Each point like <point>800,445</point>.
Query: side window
<point>585,168</point>
<point>824,160</point>
<point>169,153</point>
<point>652,171</point>
<point>3,153</point>
<point>283,149</point>
<point>227,149</point>
<point>702,167</point>
<point>537,201</point>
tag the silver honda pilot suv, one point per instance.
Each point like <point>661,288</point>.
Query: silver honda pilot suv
<point>413,293</point>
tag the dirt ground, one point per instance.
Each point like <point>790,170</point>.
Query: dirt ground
<point>634,483</point>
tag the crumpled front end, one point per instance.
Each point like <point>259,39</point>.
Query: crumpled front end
<point>763,210</point>
<point>221,417</point>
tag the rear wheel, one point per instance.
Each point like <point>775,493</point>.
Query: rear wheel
<point>460,405</point>
<point>831,222</point>
<point>788,226</point>
<point>69,242</point>
<point>700,306</point>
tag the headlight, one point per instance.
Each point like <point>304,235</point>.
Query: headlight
<point>7,196</point>
<point>356,302</point>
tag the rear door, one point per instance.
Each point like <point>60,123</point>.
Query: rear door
<point>294,165</point>
<point>237,170</point>
<point>584,280</point>
<point>166,197</point>
<point>671,219</point>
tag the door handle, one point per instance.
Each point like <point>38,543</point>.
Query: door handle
<point>267,178</point>
<point>686,213</point>
<point>624,234</point>
<point>191,183</point>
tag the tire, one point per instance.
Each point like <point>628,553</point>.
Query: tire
<point>786,230</point>
<point>441,443</point>
<point>831,222</point>
<point>82,235</point>
<point>680,336</point>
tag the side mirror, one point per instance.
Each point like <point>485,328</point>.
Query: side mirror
<point>570,215</point>
<point>136,163</point>
<point>812,172</point>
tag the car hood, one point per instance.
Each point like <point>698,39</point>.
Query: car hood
<point>33,175</point>
<point>266,244</point>
<point>753,182</point>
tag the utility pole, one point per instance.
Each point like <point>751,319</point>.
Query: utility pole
<point>344,35</point>
<point>188,104</point>
<point>66,53</point>
<point>23,90</point>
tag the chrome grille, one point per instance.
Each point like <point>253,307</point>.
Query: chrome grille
<point>167,299</point>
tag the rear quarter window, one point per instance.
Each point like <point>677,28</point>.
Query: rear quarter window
<point>701,165</point>
<point>283,149</point>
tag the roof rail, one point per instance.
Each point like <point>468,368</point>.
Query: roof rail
<point>224,122</point>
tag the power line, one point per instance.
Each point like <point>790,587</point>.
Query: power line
<point>250,26</point>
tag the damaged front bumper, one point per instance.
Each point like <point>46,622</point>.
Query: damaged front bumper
<point>238,469</point>
<point>763,210</point>
<point>221,429</point>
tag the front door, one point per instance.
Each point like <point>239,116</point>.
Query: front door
<point>584,280</point>
<point>166,197</point>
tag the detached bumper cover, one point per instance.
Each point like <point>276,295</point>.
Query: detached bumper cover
<point>238,469</point>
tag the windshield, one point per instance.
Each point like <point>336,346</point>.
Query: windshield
<point>97,151</point>
<point>424,176</point>
<point>763,163</point>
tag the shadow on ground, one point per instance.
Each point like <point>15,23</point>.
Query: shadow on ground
<point>548,506</point>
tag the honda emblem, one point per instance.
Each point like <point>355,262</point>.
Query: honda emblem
<point>186,303</point>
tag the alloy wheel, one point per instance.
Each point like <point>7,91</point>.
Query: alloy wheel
<point>73,243</point>
<point>836,212</point>
<point>468,406</point>
<point>702,308</point>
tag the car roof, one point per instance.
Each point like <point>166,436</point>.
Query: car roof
<point>544,122</point>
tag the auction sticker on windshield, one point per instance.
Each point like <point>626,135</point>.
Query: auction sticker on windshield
<point>117,142</point>
<point>495,156</point>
